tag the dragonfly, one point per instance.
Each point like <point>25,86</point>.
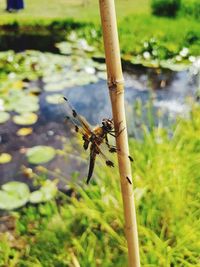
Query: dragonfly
<point>93,138</point>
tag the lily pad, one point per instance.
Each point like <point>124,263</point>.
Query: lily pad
<point>40,154</point>
<point>27,107</point>
<point>56,78</point>
<point>53,87</point>
<point>21,102</point>
<point>25,119</point>
<point>4,116</point>
<point>65,48</point>
<point>45,193</point>
<point>14,195</point>
<point>174,66</point>
<point>5,158</point>
<point>36,197</point>
<point>28,103</point>
<point>24,131</point>
<point>54,99</point>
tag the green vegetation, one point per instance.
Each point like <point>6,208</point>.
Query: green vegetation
<point>191,8</point>
<point>171,35</point>
<point>53,23</point>
<point>86,228</point>
<point>168,8</point>
<point>79,10</point>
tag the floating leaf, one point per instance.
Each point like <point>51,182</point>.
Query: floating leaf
<point>25,119</point>
<point>53,87</point>
<point>53,78</point>
<point>14,195</point>
<point>20,102</point>
<point>16,188</point>
<point>27,107</point>
<point>54,99</point>
<point>4,116</point>
<point>65,48</point>
<point>27,104</point>
<point>24,131</point>
<point>174,66</point>
<point>40,154</point>
<point>5,158</point>
<point>6,201</point>
<point>36,197</point>
<point>45,193</point>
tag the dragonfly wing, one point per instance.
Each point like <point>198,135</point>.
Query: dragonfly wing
<point>103,156</point>
<point>77,119</point>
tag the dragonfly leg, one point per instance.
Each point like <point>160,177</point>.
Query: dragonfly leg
<point>111,148</point>
<point>116,133</point>
<point>114,149</point>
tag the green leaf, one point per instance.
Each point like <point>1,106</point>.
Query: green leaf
<point>25,119</point>
<point>45,193</point>
<point>54,99</point>
<point>53,87</point>
<point>40,154</point>
<point>14,187</point>
<point>5,158</point>
<point>4,116</point>
<point>7,202</point>
<point>36,197</point>
<point>14,195</point>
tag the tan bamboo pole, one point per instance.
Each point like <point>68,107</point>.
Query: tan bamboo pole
<point>116,90</point>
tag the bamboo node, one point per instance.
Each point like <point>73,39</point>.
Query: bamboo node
<point>116,85</point>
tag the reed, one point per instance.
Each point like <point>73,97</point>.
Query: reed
<point>116,90</point>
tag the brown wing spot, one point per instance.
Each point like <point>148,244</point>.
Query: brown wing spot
<point>113,150</point>
<point>131,159</point>
<point>128,179</point>
<point>109,163</point>
<point>74,113</point>
<point>76,128</point>
<point>86,144</point>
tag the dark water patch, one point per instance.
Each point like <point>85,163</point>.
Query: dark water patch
<point>40,35</point>
<point>21,42</point>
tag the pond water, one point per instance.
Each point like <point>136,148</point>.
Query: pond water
<point>83,83</point>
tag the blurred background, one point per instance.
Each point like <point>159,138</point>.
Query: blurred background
<point>51,49</point>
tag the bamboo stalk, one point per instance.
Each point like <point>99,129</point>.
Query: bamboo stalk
<point>116,90</point>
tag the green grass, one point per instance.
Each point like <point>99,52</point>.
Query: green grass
<point>170,34</point>
<point>75,9</point>
<point>136,25</point>
<point>88,231</point>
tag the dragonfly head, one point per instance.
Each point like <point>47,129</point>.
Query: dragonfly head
<point>108,124</point>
